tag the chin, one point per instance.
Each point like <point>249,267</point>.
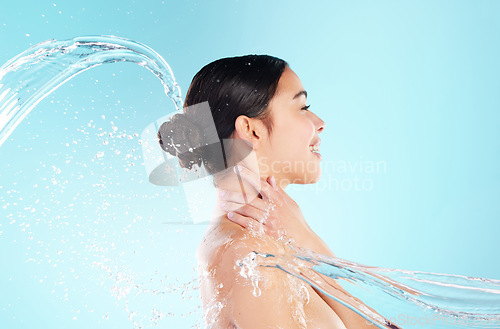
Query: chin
<point>312,176</point>
<point>308,178</point>
<point>314,179</point>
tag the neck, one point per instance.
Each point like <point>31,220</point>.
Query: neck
<point>229,180</point>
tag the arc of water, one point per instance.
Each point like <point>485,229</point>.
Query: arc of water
<point>34,74</point>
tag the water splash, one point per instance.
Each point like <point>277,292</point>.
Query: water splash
<point>393,298</point>
<point>249,272</point>
<point>25,81</point>
<point>35,73</point>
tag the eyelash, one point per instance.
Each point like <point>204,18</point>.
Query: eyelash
<point>306,108</point>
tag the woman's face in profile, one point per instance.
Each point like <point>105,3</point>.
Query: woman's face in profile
<point>295,128</point>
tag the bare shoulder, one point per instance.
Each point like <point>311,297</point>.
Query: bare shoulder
<point>241,254</point>
<point>239,287</point>
<point>233,289</point>
<point>223,243</point>
<point>252,289</point>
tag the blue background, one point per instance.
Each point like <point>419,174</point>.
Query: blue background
<point>411,85</point>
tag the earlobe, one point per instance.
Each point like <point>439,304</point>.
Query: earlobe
<point>246,128</point>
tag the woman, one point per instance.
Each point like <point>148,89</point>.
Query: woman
<point>259,100</point>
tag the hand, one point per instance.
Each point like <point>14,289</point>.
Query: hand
<point>276,214</point>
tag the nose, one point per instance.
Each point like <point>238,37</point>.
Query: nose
<point>319,124</point>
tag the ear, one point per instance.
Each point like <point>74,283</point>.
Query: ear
<point>250,129</point>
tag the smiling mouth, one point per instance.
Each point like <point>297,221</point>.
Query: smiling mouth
<point>315,149</point>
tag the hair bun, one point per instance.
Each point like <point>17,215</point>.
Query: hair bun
<point>180,137</point>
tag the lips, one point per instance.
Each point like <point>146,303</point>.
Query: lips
<point>314,148</point>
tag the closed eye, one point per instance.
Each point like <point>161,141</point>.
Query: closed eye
<point>306,108</point>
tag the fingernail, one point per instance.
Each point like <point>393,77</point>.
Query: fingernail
<point>230,214</point>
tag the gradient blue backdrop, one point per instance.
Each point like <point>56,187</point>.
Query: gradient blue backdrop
<point>410,85</point>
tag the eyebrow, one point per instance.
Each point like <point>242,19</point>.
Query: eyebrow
<point>300,93</point>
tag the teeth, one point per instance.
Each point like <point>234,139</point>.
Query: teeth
<point>314,148</point>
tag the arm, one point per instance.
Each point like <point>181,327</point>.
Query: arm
<point>350,318</point>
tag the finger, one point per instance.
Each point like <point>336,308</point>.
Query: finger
<point>252,212</point>
<point>239,197</point>
<point>245,210</point>
<point>241,208</point>
<point>241,220</point>
<point>259,204</point>
<point>266,189</point>
<point>272,181</point>
<point>245,222</point>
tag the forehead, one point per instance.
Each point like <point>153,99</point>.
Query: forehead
<point>288,85</point>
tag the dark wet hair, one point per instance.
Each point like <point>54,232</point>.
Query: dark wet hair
<point>232,86</point>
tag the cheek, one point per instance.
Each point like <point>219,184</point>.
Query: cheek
<point>304,133</point>
<point>293,139</point>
